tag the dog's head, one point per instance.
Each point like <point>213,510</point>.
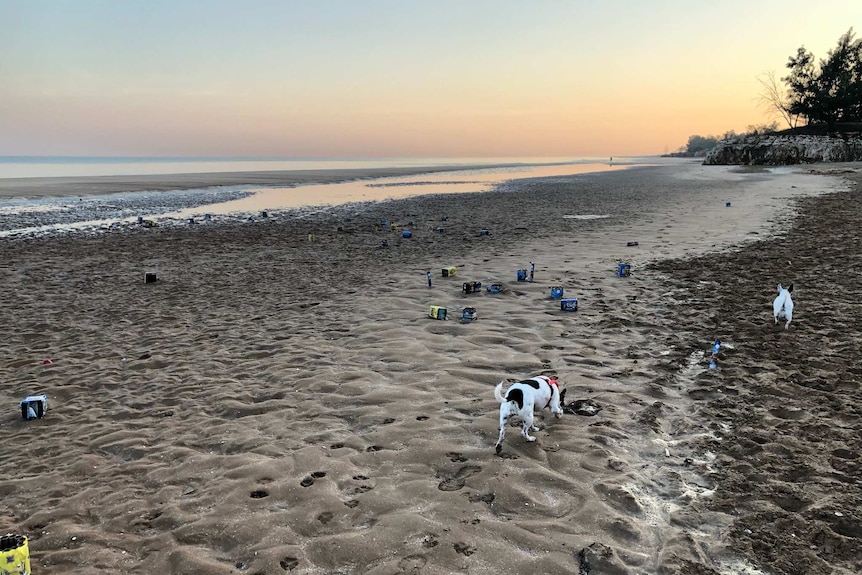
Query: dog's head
<point>555,384</point>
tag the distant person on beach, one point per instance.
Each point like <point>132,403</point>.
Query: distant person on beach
<point>532,270</point>
<point>428,275</point>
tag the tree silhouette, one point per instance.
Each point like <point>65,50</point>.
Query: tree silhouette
<point>775,98</point>
<point>831,90</point>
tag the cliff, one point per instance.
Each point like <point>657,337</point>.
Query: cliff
<point>780,150</point>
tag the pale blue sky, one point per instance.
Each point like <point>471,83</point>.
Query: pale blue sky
<point>386,78</point>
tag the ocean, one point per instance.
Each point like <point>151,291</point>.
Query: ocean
<point>35,216</point>
<point>70,166</point>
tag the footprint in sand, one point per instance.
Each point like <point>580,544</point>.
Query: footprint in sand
<point>412,564</point>
<point>258,494</point>
<point>309,480</point>
<point>464,549</point>
<point>506,455</point>
<point>325,517</point>
<point>457,481</point>
<point>456,457</point>
<point>289,563</point>
<point>481,497</point>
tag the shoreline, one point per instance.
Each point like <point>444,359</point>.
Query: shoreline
<point>25,215</point>
<point>43,187</point>
<point>308,375</point>
<point>97,185</point>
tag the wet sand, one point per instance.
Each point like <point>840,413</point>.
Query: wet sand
<point>91,185</point>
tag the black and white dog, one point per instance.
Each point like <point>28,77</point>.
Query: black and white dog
<point>522,398</point>
<point>782,307</point>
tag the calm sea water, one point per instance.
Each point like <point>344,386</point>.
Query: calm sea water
<point>378,189</point>
<point>56,166</point>
<point>464,176</point>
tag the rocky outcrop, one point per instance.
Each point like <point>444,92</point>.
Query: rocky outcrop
<point>773,150</point>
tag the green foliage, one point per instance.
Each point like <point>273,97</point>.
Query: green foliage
<point>829,91</point>
<point>761,129</point>
<point>700,144</point>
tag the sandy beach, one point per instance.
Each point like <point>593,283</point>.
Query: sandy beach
<point>278,405</point>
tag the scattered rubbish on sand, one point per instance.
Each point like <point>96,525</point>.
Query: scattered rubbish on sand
<point>586,407</point>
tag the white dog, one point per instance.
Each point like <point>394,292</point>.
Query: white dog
<point>782,307</point>
<point>523,398</point>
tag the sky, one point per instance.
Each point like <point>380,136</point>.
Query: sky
<point>390,78</point>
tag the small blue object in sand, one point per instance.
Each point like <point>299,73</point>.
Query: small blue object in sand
<point>557,292</point>
<point>264,214</point>
<point>570,304</point>
<point>208,217</point>
<point>495,288</point>
<point>522,275</point>
<point>384,223</point>
<point>468,314</point>
<point>441,230</point>
<point>715,348</point>
<point>727,204</point>
<point>624,269</point>
<point>34,406</point>
<point>406,234</point>
<point>483,232</point>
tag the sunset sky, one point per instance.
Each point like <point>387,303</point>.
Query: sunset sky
<point>442,78</point>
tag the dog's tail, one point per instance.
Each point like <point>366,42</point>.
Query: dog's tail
<point>498,393</point>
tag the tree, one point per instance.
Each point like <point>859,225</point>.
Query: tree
<point>831,91</point>
<point>700,144</point>
<point>802,84</point>
<point>776,98</point>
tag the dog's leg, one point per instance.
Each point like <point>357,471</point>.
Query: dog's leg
<point>528,426</point>
<point>504,419</point>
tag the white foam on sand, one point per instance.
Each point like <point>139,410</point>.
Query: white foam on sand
<point>586,216</point>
